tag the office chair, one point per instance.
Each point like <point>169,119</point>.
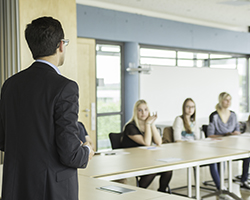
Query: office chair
<point>168,135</point>
<point>115,140</point>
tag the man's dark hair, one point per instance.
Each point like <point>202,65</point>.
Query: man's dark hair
<point>43,36</point>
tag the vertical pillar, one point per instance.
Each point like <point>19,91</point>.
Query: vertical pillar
<point>131,81</point>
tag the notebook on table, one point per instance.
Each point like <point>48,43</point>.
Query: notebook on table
<point>116,189</point>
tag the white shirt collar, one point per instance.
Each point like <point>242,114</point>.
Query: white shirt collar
<point>50,64</point>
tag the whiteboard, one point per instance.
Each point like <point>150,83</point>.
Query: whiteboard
<point>166,88</point>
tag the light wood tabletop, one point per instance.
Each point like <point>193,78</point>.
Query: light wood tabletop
<point>88,190</point>
<point>236,142</point>
<point>130,162</point>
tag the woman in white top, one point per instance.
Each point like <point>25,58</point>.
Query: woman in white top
<point>185,127</point>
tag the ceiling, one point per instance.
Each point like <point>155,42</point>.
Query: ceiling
<point>225,14</point>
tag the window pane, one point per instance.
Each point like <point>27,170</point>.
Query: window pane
<point>185,63</point>
<point>106,125</point>
<point>108,74</point>
<point>202,55</point>
<point>108,92</point>
<point>201,63</point>
<point>182,54</point>
<point>219,56</point>
<point>157,53</point>
<point>157,61</point>
<point>107,48</point>
<point>223,63</point>
<point>242,84</point>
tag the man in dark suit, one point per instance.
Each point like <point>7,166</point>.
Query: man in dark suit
<point>38,123</point>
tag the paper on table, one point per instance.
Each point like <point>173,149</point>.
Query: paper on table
<point>209,140</point>
<point>150,147</point>
<point>109,153</point>
<point>169,159</point>
<point>116,189</point>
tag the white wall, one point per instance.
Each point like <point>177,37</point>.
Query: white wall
<point>165,89</point>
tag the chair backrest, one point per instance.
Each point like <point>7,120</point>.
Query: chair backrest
<point>204,129</point>
<point>243,126</point>
<point>115,140</point>
<point>168,135</point>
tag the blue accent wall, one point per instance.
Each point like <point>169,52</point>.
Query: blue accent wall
<point>99,23</point>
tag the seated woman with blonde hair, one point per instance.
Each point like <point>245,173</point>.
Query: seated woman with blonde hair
<point>223,122</point>
<point>141,131</point>
<point>185,127</point>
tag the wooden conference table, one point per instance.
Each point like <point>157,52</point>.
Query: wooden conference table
<point>132,162</point>
<point>238,142</point>
<point>88,189</point>
<point>124,163</point>
<point>235,142</point>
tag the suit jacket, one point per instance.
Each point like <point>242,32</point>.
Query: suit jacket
<point>82,131</point>
<point>38,133</point>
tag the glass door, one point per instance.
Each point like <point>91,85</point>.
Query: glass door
<point>109,92</point>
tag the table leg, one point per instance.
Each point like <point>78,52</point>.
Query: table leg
<point>189,181</point>
<point>197,182</point>
<point>230,178</point>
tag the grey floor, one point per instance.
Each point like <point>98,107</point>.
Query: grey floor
<point>180,179</point>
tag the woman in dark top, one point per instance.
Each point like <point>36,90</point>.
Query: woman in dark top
<point>141,131</point>
<point>223,122</point>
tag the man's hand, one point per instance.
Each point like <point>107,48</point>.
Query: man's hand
<point>91,153</point>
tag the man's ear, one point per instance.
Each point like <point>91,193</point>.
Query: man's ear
<point>61,47</point>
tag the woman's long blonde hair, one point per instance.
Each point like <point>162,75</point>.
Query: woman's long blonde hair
<point>134,117</point>
<point>192,118</point>
<point>221,97</point>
